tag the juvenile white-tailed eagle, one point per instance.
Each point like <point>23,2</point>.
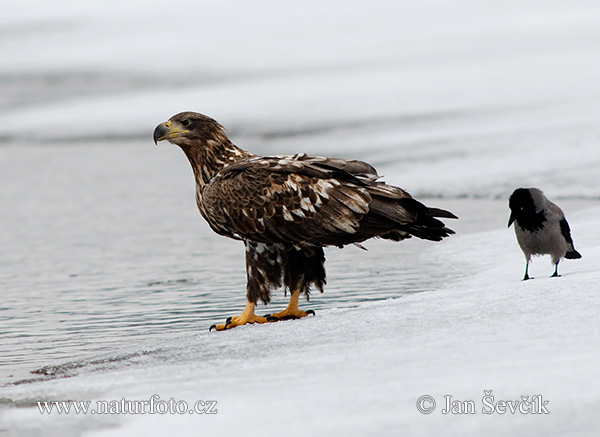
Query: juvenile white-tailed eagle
<point>287,208</point>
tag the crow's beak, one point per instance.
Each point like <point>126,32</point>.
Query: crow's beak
<point>512,218</point>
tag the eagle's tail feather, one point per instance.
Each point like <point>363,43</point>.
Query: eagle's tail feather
<point>408,217</point>
<point>437,212</point>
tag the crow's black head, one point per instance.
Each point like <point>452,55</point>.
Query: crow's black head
<point>526,209</point>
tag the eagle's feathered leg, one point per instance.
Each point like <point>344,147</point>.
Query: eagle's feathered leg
<point>292,311</point>
<point>247,316</point>
<point>263,271</point>
<point>304,267</point>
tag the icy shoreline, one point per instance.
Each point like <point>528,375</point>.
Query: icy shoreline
<point>361,370</point>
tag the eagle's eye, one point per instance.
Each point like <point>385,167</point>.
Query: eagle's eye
<point>185,123</point>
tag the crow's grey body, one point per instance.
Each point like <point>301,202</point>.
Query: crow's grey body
<point>541,227</point>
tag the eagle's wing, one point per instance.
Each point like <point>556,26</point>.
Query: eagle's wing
<point>288,200</point>
<point>299,199</point>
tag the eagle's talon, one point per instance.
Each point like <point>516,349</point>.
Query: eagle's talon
<point>246,317</point>
<point>271,318</point>
<point>290,314</point>
<point>219,327</point>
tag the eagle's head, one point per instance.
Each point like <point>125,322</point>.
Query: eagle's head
<point>190,129</point>
<point>204,142</point>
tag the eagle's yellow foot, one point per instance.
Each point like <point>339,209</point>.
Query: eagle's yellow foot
<point>291,312</point>
<point>286,314</point>
<point>247,316</point>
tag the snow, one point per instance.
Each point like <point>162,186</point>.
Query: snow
<point>449,99</point>
<point>361,370</point>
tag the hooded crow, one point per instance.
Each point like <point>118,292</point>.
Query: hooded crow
<point>541,227</point>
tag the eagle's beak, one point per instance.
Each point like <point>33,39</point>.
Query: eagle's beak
<point>161,131</point>
<point>167,131</point>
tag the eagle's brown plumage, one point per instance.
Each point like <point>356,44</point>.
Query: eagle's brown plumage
<point>287,208</point>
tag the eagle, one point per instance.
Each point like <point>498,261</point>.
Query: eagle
<point>287,208</point>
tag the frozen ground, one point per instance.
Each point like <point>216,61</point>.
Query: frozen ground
<point>360,371</point>
<point>108,275</point>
